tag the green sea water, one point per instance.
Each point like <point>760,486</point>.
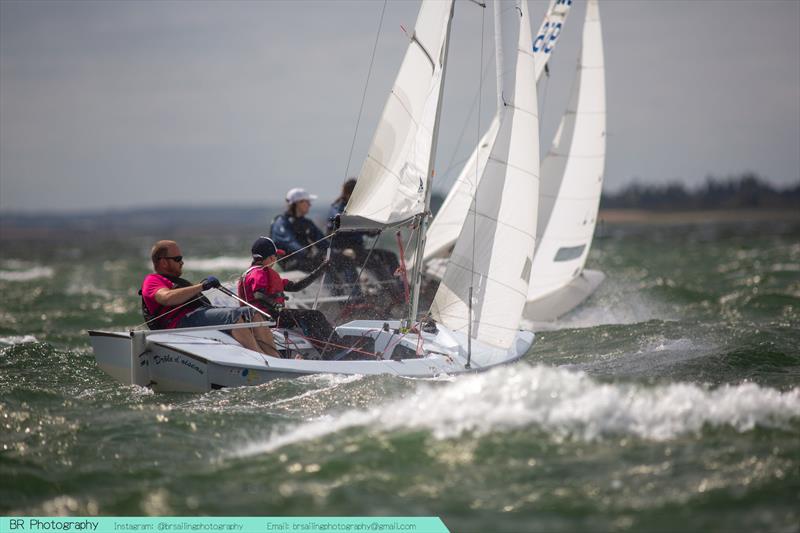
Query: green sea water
<point>669,401</point>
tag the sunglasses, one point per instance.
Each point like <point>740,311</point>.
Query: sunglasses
<point>176,258</point>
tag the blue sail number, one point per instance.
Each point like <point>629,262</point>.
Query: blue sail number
<point>547,39</point>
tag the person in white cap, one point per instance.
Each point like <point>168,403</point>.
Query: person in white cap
<point>305,244</point>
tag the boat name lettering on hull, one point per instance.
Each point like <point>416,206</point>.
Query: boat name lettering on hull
<point>170,358</point>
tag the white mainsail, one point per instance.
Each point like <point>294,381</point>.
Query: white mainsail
<point>392,184</point>
<point>572,176</point>
<point>446,227</point>
<point>494,251</point>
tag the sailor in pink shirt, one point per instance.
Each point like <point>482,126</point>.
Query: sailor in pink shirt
<point>264,288</point>
<point>169,301</point>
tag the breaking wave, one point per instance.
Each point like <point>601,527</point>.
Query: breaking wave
<point>13,340</point>
<point>29,274</point>
<point>215,264</point>
<point>564,403</point>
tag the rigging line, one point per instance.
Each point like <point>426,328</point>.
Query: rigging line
<point>237,277</point>
<point>474,202</point>
<point>452,164</point>
<point>349,296</point>
<point>170,310</point>
<point>364,93</point>
<point>287,256</point>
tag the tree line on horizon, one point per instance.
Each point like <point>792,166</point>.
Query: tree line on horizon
<point>746,191</point>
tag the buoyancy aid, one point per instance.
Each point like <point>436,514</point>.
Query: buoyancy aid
<point>160,317</point>
<point>273,292</point>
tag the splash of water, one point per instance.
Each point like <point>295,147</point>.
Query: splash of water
<point>562,402</point>
<point>37,272</point>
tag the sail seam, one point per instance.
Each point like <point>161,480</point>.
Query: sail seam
<point>506,163</point>
<point>522,109</point>
<point>388,171</point>
<point>576,156</point>
<point>504,224</point>
<point>444,312</point>
<point>403,105</point>
<point>468,269</point>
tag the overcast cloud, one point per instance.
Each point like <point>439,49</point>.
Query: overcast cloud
<point>118,104</point>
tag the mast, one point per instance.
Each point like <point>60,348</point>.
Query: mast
<point>423,218</point>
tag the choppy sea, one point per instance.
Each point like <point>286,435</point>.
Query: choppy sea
<point>669,401</point>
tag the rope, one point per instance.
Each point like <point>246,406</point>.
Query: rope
<point>170,310</point>
<point>350,296</point>
<point>364,93</point>
<point>287,256</point>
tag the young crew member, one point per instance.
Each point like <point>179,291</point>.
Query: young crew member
<point>264,288</point>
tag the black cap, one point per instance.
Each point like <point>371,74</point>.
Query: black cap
<point>264,247</point>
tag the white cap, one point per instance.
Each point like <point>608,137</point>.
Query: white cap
<point>298,194</point>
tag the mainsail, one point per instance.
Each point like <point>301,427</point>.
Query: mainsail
<point>446,226</point>
<point>393,181</point>
<point>493,254</point>
<point>572,172</point>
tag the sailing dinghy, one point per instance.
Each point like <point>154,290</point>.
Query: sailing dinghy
<point>572,181</point>
<point>480,302</point>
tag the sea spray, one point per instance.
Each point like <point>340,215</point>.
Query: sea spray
<point>562,402</point>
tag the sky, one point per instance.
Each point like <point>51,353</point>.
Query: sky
<point>115,105</point>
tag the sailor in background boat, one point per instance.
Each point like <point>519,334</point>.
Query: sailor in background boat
<point>169,301</point>
<point>264,288</point>
<point>305,243</point>
<point>382,263</point>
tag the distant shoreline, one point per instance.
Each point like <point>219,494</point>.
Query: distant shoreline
<point>642,216</point>
<point>222,220</point>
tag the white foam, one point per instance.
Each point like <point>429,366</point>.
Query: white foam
<point>616,302</point>
<point>29,274</point>
<point>564,403</point>
<point>16,339</point>
<point>215,264</point>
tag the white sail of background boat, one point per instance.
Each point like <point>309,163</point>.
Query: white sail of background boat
<point>396,191</point>
<point>572,180</point>
<point>450,218</point>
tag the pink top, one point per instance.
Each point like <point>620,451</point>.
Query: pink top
<point>150,286</point>
<point>262,279</point>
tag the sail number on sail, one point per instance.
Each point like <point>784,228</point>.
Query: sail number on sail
<point>546,40</point>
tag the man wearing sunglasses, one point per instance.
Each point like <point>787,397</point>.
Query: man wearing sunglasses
<point>169,301</point>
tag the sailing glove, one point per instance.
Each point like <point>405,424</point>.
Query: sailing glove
<point>210,283</point>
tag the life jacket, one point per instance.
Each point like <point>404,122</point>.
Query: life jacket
<point>273,291</point>
<point>160,318</point>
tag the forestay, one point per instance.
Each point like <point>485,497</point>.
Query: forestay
<point>572,171</point>
<point>392,183</point>
<point>494,250</point>
<point>446,226</point>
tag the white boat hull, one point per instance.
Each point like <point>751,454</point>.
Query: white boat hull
<point>564,299</point>
<point>199,361</point>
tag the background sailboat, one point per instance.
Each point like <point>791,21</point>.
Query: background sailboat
<point>447,224</point>
<point>572,180</point>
